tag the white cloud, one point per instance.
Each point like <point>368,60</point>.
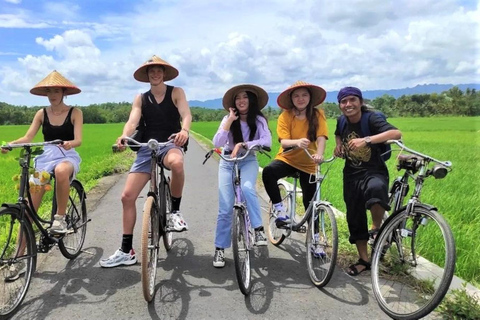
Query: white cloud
<point>14,1</point>
<point>373,44</point>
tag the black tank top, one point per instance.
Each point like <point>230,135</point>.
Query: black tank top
<point>63,132</point>
<point>161,120</point>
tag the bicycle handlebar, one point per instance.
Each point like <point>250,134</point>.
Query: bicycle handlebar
<point>31,144</point>
<point>152,144</point>
<point>286,150</point>
<point>399,143</point>
<point>261,149</point>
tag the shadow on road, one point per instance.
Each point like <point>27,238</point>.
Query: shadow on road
<point>76,284</point>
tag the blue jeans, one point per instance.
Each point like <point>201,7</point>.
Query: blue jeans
<point>226,198</point>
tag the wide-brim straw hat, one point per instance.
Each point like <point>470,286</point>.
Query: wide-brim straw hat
<point>229,97</point>
<point>141,73</point>
<point>318,95</point>
<point>54,80</point>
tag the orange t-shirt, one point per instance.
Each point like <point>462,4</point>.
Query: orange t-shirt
<point>289,127</point>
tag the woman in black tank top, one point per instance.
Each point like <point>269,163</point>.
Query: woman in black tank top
<point>58,121</point>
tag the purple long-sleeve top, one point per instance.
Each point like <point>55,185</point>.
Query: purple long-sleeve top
<point>262,137</point>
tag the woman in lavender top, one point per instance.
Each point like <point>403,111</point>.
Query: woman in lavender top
<point>244,126</point>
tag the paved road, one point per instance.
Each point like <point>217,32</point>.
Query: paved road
<point>188,285</point>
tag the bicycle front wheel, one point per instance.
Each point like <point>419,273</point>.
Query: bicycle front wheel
<point>150,246</point>
<point>166,210</point>
<point>413,263</point>
<point>277,235</point>
<point>76,218</point>
<point>322,245</point>
<point>241,252</point>
<point>16,268</point>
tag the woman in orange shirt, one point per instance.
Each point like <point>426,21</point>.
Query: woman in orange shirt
<point>300,125</point>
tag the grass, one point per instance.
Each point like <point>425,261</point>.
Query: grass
<point>457,196</point>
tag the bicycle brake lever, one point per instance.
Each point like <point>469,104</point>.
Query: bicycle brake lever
<point>207,156</point>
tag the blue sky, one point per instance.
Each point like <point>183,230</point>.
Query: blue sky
<point>216,44</point>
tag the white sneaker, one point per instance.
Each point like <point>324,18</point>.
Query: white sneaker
<point>15,271</point>
<point>119,258</point>
<point>219,258</point>
<point>260,238</point>
<point>59,224</point>
<point>177,223</point>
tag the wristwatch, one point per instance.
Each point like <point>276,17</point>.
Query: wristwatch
<point>368,140</point>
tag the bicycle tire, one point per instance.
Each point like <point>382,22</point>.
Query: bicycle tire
<point>405,290</point>
<point>150,246</point>
<point>14,291</point>
<point>320,269</point>
<point>277,235</point>
<point>241,253</point>
<point>71,243</point>
<point>166,209</point>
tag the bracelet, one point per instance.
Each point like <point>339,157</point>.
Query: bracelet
<point>186,130</point>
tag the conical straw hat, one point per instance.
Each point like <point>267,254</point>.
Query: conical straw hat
<point>318,94</point>
<point>229,97</point>
<point>141,73</point>
<point>54,80</point>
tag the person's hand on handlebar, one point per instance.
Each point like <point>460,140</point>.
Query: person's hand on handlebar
<point>237,148</point>
<point>67,145</point>
<point>181,137</point>
<point>121,143</point>
<point>4,150</point>
<point>317,158</point>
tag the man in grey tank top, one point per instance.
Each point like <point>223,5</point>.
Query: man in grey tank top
<point>164,102</point>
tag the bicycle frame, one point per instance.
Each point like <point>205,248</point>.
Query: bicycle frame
<point>416,169</point>
<point>239,198</point>
<point>316,199</point>
<point>25,204</point>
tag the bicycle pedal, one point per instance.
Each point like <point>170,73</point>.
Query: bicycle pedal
<point>302,229</point>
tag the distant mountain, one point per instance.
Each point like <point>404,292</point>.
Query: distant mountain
<point>368,94</point>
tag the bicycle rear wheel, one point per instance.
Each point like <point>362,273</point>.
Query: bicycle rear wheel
<point>150,246</point>
<point>76,218</point>
<point>166,209</point>
<point>322,246</point>
<point>413,263</point>
<point>277,235</point>
<point>241,253</point>
<point>12,289</point>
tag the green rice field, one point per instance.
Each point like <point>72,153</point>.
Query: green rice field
<point>456,139</point>
<point>457,197</point>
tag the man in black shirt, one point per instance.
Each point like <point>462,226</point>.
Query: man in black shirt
<point>165,111</point>
<point>365,175</point>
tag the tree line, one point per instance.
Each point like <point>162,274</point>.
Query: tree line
<point>453,102</point>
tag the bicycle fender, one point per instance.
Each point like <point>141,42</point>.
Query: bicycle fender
<point>326,203</point>
<point>82,188</point>
<point>239,206</point>
<point>11,206</point>
<point>425,206</point>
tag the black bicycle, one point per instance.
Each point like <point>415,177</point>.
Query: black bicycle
<point>413,256</point>
<point>322,234</point>
<point>156,209</point>
<point>17,232</point>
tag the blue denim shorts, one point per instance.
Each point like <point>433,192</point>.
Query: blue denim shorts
<point>143,160</point>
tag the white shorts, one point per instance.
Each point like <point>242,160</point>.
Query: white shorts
<point>53,155</point>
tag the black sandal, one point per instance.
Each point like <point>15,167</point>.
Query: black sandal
<point>353,271</point>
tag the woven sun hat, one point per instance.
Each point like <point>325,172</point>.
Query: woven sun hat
<point>141,73</point>
<point>318,94</point>
<point>54,80</point>
<point>229,97</point>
